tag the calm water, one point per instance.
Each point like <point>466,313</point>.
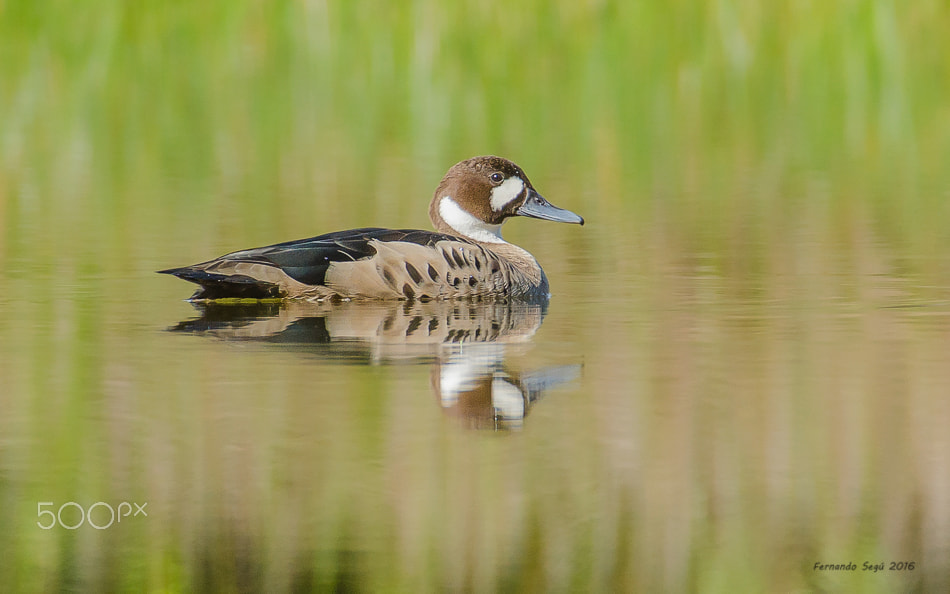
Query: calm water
<point>691,433</point>
<point>743,371</point>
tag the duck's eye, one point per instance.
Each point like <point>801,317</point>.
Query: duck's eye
<point>497,177</point>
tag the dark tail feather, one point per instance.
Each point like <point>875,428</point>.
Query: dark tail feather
<point>224,286</point>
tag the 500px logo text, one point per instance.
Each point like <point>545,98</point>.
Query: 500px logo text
<point>71,515</point>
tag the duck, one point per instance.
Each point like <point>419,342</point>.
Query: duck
<point>465,257</point>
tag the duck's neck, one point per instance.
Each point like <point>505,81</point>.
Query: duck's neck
<point>448,217</point>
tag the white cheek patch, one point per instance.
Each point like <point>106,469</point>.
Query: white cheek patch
<point>467,224</point>
<point>503,194</point>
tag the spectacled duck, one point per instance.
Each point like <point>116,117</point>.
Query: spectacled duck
<point>465,257</point>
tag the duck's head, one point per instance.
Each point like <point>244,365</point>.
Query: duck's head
<point>477,195</point>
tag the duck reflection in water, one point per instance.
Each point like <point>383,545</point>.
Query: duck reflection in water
<point>465,342</point>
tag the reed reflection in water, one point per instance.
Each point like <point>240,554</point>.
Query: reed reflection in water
<point>727,433</point>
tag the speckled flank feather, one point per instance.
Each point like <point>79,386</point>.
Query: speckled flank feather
<point>449,269</point>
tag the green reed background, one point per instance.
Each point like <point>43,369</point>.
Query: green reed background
<point>758,141</point>
<point>726,116</point>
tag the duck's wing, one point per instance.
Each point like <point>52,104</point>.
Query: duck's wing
<point>294,267</point>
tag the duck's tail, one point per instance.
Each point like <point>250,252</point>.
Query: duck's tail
<point>215,285</point>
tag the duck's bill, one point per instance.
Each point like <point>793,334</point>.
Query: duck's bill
<point>538,208</point>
